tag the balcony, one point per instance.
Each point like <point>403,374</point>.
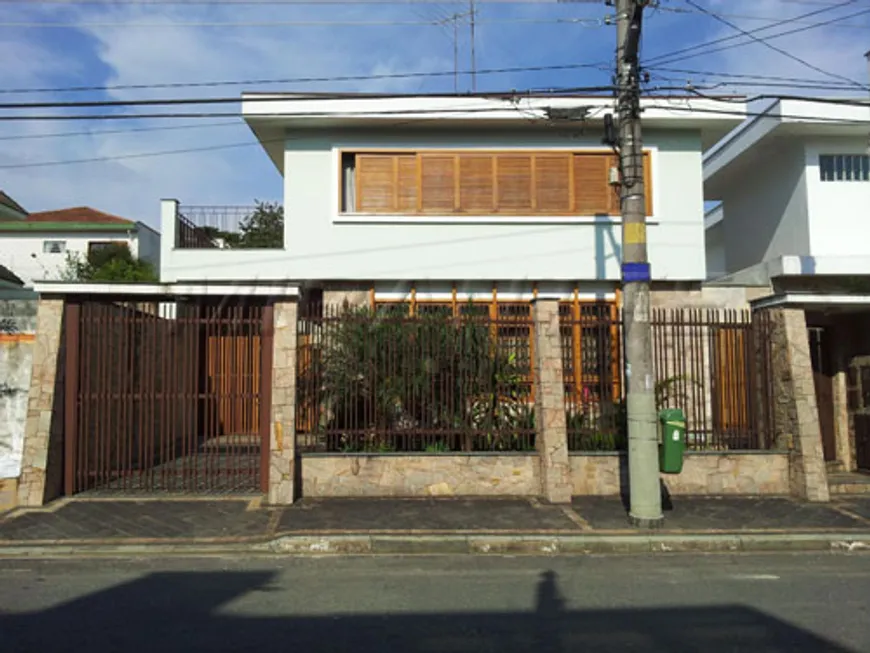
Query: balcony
<point>229,227</point>
<point>243,244</point>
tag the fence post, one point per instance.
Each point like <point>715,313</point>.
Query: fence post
<point>795,404</point>
<point>168,238</point>
<point>71,392</point>
<point>44,423</point>
<point>282,425</point>
<point>552,436</point>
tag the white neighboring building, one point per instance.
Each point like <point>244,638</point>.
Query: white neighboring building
<point>794,183</point>
<point>394,193</point>
<point>795,190</point>
<point>36,247</point>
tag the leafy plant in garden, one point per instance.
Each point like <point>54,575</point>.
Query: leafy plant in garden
<point>114,262</point>
<point>393,374</point>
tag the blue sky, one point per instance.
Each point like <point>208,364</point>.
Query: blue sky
<point>153,46</point>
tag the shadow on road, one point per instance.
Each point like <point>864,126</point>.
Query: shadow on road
<point>181,613</point>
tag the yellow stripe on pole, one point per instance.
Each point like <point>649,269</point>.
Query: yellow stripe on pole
<point>634,233</point>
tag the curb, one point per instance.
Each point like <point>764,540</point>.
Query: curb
<point>365,544</point>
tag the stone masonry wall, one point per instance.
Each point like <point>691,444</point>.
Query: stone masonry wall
<point>552,434</point>
<point>420,476</point>
<point>42,464</point>
<point>795,412</point>
<point>282,451</point>
<point>714,473</point>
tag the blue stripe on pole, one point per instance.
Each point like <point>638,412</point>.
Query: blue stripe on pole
<point>636,272</point>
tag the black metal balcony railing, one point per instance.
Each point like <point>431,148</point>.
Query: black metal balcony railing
<point>230,227</point>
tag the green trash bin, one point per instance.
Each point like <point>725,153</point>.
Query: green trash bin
<point>673,443</point>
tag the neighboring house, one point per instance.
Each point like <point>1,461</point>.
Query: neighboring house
<point>795,190</point>
<point>9,279</point>
<point>10,209</point>
<point>794,187</point>
<point>37,246</point>
<point>455,198</point>
<point>713,242</point>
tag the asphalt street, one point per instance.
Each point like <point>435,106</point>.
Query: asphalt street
<point>710,603</point>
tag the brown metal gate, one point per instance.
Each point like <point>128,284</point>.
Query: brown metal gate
<point>167,396</point>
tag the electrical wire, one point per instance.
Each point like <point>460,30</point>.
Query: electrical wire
<point>775,48</point>
<point>97,132</point>
<point>724,39</point>
<point>668,107</point>
<point>591,22</point>
<point>251,100</point>
<point>305,80</point>
<point>762,114</point>
<point>774,78</point>
<point>273,2</point>
<point>769,19</point>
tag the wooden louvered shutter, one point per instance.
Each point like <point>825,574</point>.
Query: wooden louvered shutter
<point>476,183</point>
<point>438,175</point>
<point>376,183</point>
<point>592,191</point>
<point>553,183</point>
<point>406,180</point>
<point>514,182</point>
<point>647,181</point>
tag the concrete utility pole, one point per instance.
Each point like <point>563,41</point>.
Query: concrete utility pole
<point>643,465</point>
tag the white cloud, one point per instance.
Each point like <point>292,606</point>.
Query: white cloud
<point>133,187</point>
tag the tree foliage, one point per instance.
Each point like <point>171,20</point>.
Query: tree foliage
<point>263,228</point>
<point>113,262</point>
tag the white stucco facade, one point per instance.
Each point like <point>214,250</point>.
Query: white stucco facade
<point>305,139</point>
<point>775,203</point>
<point>28,254</point>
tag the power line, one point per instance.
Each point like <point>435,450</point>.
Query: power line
<point>588,22</point>
<point>770,19</point>
<point>278,2</point>
<point>775,78</point>
<point>91,104</point>
<point>690,86</point>
<point>769,38</point>
<point>310,114</point>
<point>733,37</point>
<point>97,132</point>
<point>761,114</point>
<point>775,48</point>
<point>669,107</point>
<point>302,80</point>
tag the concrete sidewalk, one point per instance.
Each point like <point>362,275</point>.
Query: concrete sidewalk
<point>443,525</point>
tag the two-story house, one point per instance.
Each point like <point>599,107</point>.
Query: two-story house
<point>456,198</point>
<point>794,185</point>
<point>36,246</point>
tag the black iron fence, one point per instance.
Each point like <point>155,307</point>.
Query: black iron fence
<point>713,364</point>
<point>230,227</point>
<point>437,381</point>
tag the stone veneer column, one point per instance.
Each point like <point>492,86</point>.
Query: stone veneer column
<point>552,437</point>
<point>42,463</point>
<point>282,451</point>
<point>796,412</point>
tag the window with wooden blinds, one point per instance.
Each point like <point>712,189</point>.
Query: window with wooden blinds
<point>486,183</point>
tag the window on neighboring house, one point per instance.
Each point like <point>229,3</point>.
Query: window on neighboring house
<point>53,246</point>
<point>482,183</point>
<point>99,246</point>
<point>844,167</point>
